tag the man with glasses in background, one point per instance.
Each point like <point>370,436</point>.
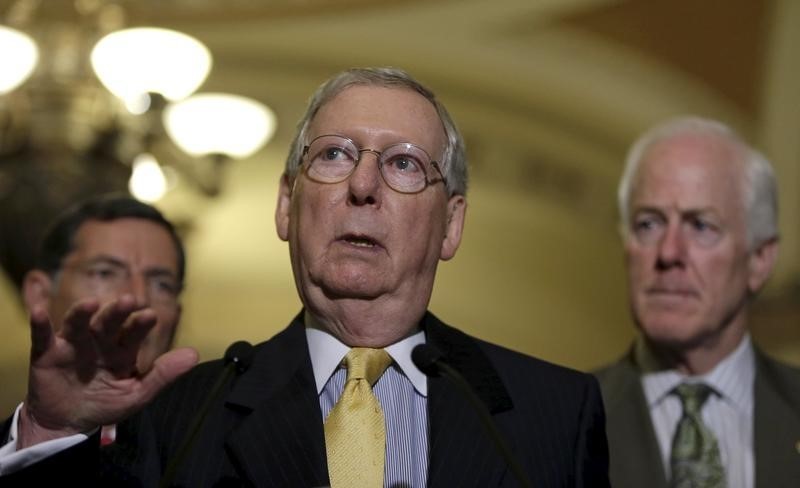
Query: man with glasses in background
<point>372,198</point>
<point>101,249</point>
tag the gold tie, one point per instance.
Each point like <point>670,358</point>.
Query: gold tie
<point>355,435</point>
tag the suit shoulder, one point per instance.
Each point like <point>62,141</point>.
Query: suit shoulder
<point>784,378</point>
<point>517,368</point>
<point>614,372</point>
<point>619,382</point>
<point>511,365</point>
<point>785,370</point>
<point>506,355</point>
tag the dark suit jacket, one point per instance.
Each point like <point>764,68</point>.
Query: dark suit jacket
<point>267,428</point>
<point>635,457</point>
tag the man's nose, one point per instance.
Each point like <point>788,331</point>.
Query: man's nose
<point>365,182</point>
<point>672,247</point>
<point>138,287</point>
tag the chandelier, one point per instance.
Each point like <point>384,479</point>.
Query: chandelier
<point>90,105</point>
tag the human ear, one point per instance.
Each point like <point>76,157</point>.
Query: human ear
<point>760,263</point>
<point>36,288</point>
<point>456,209</point>
<point>283,209</point>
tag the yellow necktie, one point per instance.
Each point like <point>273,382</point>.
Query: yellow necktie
<point>355,435</point>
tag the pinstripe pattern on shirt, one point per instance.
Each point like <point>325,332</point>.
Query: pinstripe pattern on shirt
<point>406,424</point>
<point>401,391</point>
<point>728,412</point>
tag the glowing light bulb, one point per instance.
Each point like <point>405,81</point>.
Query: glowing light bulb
<point>18,57</point>
<point>148,182</point>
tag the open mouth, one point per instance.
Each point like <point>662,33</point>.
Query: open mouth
<point>360,241</point>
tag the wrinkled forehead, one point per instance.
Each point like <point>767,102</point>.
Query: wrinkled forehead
<point>380,113</point>
<point>691,171</point>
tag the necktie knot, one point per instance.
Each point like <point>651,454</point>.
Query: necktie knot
<point>693,396</point>
<point>364,363</point>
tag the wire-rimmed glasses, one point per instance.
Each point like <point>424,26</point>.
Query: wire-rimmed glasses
<point>403,166</point>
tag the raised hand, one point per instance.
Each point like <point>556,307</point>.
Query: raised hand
<point>84,376</point>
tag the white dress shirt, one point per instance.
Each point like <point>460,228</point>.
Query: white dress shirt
<point>728,412</point>
<point>12,460</point>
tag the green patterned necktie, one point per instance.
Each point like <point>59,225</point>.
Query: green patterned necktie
<point>695,455</point>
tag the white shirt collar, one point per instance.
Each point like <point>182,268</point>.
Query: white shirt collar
<point>327,353</point>
<point>732,378</point>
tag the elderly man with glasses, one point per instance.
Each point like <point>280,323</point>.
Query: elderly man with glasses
<point>372,198</point>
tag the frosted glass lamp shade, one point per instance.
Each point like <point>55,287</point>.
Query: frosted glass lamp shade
<point>18,58</point>
<point>133,62</point>
<point>217,123</point>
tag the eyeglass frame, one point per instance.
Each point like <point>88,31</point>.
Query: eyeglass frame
<point>378,154</point>
<point>89,272</point>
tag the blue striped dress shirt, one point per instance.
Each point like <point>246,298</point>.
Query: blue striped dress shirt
<point>402,393</point>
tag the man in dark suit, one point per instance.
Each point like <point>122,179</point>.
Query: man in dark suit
<point>694,403</point>
<point>372,198</point>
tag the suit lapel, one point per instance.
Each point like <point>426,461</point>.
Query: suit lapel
<point>776,424</point>
<point>461,453</point>
<point>280,442</point>
<point>635,458</point>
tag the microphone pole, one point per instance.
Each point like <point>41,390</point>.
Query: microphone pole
<point>430,361</point>
<point>237,360</point>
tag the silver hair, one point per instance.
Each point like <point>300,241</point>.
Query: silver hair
<point>454,160</point>
<point>759,187</point>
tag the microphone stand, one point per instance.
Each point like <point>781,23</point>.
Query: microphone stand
<point>237,360</point>
<point>429,360</point>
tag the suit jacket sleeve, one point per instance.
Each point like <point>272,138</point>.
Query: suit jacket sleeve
<point>75,466</point>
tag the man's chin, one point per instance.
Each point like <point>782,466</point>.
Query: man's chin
<point>681,335</point>
<point>356,289</point>
<point>350,292</point>
<point>351,283</point>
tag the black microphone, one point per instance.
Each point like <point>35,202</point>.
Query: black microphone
<point>240,354</point>
<point>430,361</point>
<point>238,358</point>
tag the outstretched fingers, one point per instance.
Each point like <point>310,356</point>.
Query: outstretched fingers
<point>106,324</point>
<point>47,346</point>
<point>118,330</point>
<point>77,320</point>
<point>42,338</point>
<point>83,372</point>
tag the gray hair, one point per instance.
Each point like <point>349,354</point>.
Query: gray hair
<point>454,159</point>
<point>759,187</point>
